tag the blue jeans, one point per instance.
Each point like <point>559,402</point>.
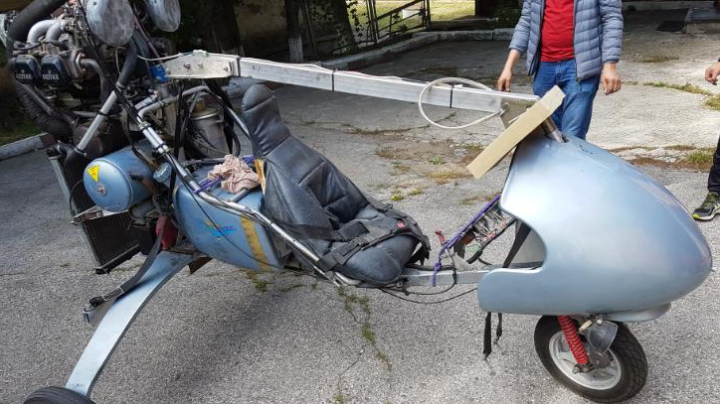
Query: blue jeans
<point>573,116</point>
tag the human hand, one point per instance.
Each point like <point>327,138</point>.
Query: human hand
<point>503,83</point>
<point>610,79</point>
<point>712,72</point>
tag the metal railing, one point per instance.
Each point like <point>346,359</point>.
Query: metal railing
<point>372,26</point>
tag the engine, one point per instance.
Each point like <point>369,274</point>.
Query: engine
<point>65,65</point>
<point>83,69</point>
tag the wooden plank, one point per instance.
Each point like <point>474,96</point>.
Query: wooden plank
<point>7,5</point>
<point>516,132</point>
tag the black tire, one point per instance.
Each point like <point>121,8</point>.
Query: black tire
<point>633,366</point>
<point>57,395</point>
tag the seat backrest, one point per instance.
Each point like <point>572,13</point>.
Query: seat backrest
<point>302,187</point>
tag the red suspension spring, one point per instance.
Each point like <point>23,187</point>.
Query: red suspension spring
<point>571,335</point>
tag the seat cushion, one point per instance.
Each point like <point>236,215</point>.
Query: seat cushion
<point>384,262</point>
<point>303,189</point>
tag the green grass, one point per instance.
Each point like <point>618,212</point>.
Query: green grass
<point>712,100</point>
<point>14,123</point>
<point>701,158</point>
<point>659,59</point>
<point>451,10</point>
<point>340,398</point>
<point>439,11</point>
<point>687,87</point>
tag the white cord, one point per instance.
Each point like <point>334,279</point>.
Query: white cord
<point>452,81</point>
<point>160,59</point>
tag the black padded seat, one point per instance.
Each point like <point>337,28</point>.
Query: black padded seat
<point>309,197</point>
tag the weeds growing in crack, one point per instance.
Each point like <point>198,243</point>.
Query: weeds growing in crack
<point>291,287</point>
<point>260,283</point>
<point>353,302</point>
<point>436,160</point>
<point>340,396</point>
<point>712,100</point>
<point>701,158</point>
<point>358,307</point>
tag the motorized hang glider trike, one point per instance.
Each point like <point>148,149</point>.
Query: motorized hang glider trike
<point>141,130</point>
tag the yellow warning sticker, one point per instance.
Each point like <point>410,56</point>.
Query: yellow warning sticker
<point>94,171</point>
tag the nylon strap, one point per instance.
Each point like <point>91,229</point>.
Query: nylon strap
<point>132,282</point>
<point>520,237</point>
<point>339,256</point>
<point>345,233</point>
<point>424,251</point>
<point>487,336</point>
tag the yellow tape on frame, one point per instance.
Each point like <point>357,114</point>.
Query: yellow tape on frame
<point>254,242</point>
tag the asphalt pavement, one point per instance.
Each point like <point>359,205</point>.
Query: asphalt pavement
<point>219,337</point>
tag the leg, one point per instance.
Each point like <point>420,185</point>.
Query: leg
<point>711,205</point>
<point>545,79</point>
<point>578,103</point>
<point>714,176</point>
<point>120,314</point>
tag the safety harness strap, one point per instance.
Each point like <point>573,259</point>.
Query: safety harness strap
<point>424,251</point>
<point>339,256</point>
<point>346,233</point>
<point>132,282</point>
<point>520,237</point>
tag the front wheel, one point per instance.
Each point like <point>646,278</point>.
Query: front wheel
<point>623,378</point>
<point>57,395</point>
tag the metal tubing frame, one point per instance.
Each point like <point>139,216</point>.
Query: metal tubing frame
<point>203,65</point>
<point>117,319</point>
<point>97,121</point>
<point>417,277</point>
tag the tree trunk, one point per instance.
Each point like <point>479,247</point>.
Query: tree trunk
<point>217,27</point>
<point>340,11</point>
<point>294,31</point>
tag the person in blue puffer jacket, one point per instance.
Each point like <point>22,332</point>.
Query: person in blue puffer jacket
<point>574,44</point>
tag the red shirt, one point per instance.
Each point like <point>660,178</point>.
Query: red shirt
<point>556,38</point>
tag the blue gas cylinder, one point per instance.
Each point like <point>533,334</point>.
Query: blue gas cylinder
<point>115,182</point>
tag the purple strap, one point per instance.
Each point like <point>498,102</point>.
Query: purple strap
<point>459,235</point>
<point>207,184</point>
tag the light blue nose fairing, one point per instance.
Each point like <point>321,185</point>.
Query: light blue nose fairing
<point>615,239</point>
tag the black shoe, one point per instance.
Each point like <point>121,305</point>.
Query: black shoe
<point>709,208</point>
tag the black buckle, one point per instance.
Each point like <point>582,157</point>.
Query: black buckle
<point>361,241</point>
